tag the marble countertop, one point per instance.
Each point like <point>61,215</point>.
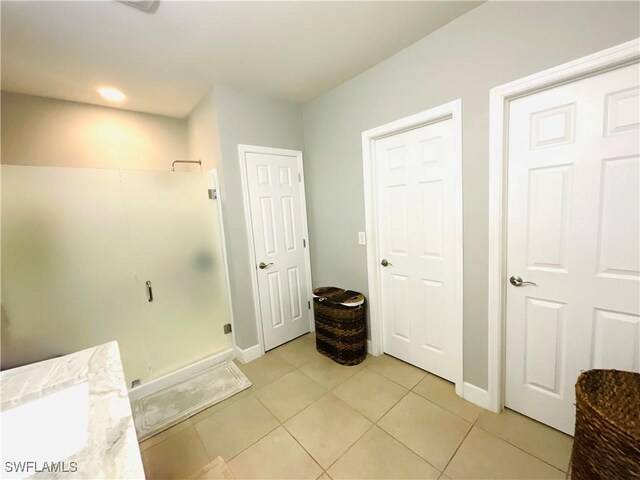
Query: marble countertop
<point>109,447</point>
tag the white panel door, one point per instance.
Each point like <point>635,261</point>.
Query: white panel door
<point>417,238</point>
<point>278,239</point>
<point>573,230</point>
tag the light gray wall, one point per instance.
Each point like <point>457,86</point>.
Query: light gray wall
<point>42,131</point>
<point>203,135</point>
<point>491,45</point>
<point>245,118</point>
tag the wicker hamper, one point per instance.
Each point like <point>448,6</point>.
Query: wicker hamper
<point>341,324</point>
<point>607,437</point>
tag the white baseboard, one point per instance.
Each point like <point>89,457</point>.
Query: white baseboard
<point>476,395</point>
<point>248,354</point>
<point>369,347</point>
<point>177,376</point>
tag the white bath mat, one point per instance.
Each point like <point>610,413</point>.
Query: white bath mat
<point>164,408</point>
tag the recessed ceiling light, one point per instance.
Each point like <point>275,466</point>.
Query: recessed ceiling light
<point>112,94</point>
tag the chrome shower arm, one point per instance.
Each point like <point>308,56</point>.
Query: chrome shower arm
<point>173,164</point>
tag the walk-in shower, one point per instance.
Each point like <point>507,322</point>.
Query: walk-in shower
<point>84,251</point>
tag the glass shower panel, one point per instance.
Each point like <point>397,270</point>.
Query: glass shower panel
<point>176,245</point>
<point>67,277</point>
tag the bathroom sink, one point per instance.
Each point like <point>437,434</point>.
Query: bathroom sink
<point>50,428</point>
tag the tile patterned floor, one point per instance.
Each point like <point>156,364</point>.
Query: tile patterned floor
<point>308,417</point>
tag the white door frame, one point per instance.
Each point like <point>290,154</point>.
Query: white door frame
<point>499,98</point>
<point>452,110</point>
<point>243,150</point>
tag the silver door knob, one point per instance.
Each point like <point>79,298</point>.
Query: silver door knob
<point>518,282</point>
<point>263,265</point>
<point>385,262</point>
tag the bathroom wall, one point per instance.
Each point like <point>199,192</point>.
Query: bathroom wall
<point>203,135</point>
<point>40,131</point>
<point>491,45</point>
<point>225,118</point>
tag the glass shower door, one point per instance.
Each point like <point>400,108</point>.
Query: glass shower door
<point>67,281</point>
<point>176,246</point>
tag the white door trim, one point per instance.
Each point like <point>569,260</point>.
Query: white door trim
<point>242,152</point>
<point>451,110</point>
<point>499,98</point>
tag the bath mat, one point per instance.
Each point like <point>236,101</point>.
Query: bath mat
<point>162,409</point>
<point>216,470</point>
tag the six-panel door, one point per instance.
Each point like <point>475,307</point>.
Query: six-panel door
<point>417,235</point>
<point>278,240</point>
<point>573,230</point>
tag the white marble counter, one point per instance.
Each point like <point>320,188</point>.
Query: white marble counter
<point>106,446</point>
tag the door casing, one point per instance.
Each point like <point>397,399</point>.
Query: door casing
<point>243,150</point>
<point>499,98</point>
<point>453,111</point>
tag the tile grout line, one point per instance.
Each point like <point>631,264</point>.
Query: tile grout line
<point>266,434</point>
<point>411,449</point>
<point>330,391</point>
<point>395,381</point>
<point>352,445</point>
<point>458,447</point>
<point>373,424</point>
<point>305,450</point>
<point>521,449</point>
<point>260,402</point>
<point>324,470</point>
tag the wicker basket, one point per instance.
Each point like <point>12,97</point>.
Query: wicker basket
<point>341,325</point>
<point>607,437</point>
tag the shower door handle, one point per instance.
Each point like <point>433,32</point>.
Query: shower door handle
<point>149,291</point>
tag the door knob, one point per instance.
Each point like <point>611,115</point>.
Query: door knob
<point>518,282</point>
<point>385,262</point>
<point>263,265</point>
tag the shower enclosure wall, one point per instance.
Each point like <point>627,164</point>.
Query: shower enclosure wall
<point>94,255</point>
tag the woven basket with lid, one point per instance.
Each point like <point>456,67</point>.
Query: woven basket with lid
<point>341,324</point>
<point>607,437</point>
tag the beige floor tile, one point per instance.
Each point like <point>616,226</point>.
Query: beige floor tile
<point>544,442</point>
<point>324,476</point>
<point>444,477</point>
<point>426,428</point>
<point>328,373</point>
<point>298,352</point>
<point>265,369</point>
<point>223,404</point>
<point>289,394</point>
<point>327,428</point>
<point>444,394</point>
<point>229,431</point>
<point>176,457</point>
<point>377,455</point>
<point>485,456</point>
<point>370,394</point>
<point>169,432</point>
<point>398,371</point>
<point>216,470</point>
<point>276,456</point>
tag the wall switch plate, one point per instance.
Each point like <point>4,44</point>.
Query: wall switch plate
<point>361,238</point>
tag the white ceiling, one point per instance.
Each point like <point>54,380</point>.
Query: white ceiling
<point>166,61</point>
